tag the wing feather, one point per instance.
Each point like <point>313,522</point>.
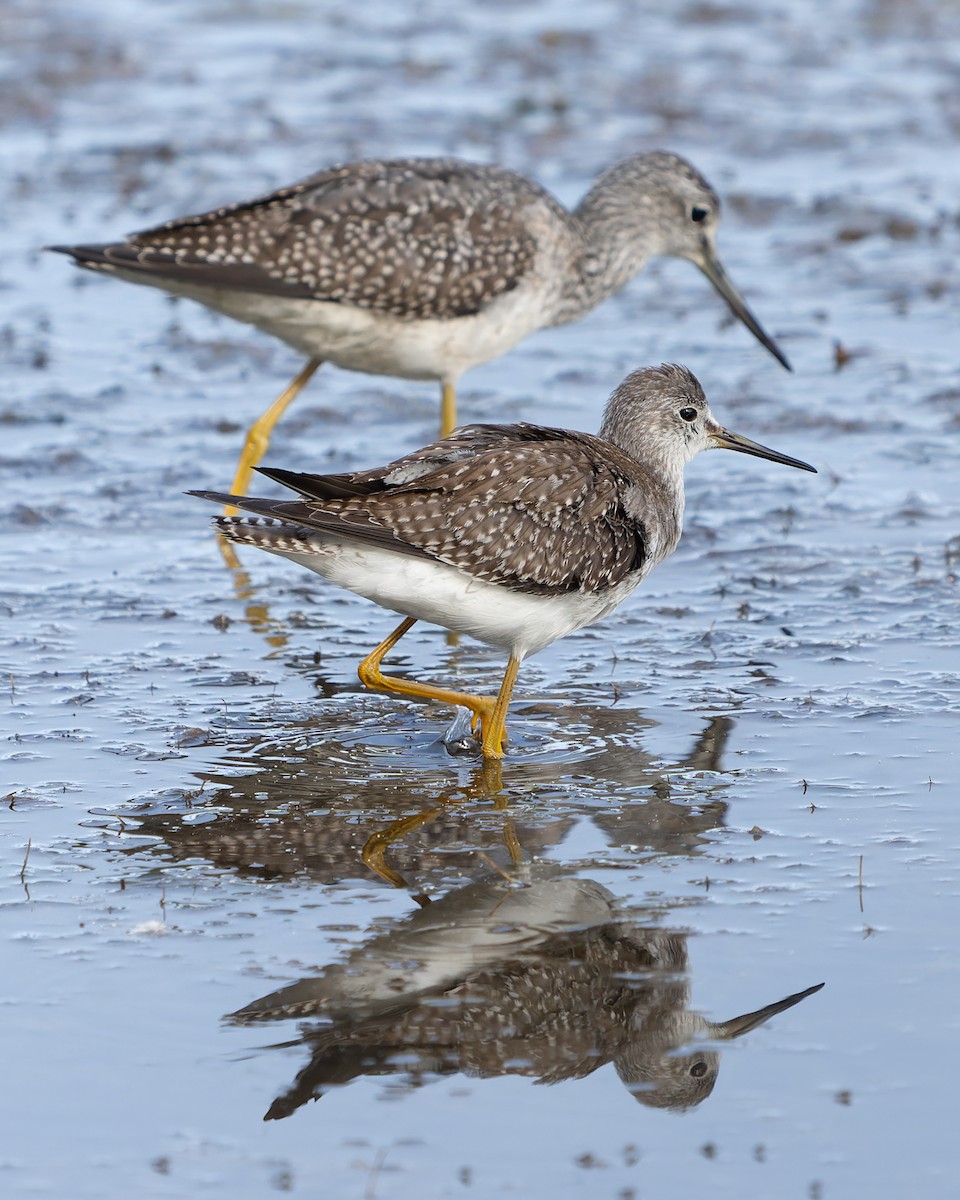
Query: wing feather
<point>538,510</point>
<point>415,238</point>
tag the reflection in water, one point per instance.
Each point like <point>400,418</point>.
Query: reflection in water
<point>525,970</point>
<point>543,978</point>
<point>256,612</point>
<point>302,809</point>
<point>487,784</point>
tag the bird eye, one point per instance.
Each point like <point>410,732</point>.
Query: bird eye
<point>698,1070</point>
<point>688,414</point>
<point>699,214</point>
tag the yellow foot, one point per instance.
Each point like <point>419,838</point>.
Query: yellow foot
<point>489,714</point>
<point>492,746</point>
<point>481,721</point>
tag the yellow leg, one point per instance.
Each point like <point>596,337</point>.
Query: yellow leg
<point>495,727</point>
<point>484,708</point>
<point>258,436</point>
<point>448,409</point>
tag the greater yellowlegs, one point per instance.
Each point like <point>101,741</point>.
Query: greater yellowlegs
<point>513,534</point>
<point>422,268</point>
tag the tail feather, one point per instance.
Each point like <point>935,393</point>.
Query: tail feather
<point>319,487</point>
<point>266,530</point>
<point>104,256</point>
<point>279,510</point>
<point>267,534</point>
<point>222,498</point>
<point>160,266</point>
<point>307,525</point>
<point>81,253</point>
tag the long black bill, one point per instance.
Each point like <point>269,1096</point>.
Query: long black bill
<point>738,1026</point>
<point>734,441</point>
<point>711,266</point>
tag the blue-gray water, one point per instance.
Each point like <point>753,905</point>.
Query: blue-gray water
<point>196,771</point>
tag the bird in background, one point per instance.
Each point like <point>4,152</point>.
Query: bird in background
<point>423,268</point>
<point>514,534</point>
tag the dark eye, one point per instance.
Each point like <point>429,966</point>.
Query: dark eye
<point>698,1070</point>
<point>699,214</point>
<point>688,414</point>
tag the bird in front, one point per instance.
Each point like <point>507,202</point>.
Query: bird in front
<point>513,534</point>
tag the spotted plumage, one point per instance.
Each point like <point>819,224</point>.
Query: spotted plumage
<point>551,981</point>
<point>423,268</point>
<point>516,535</point>
<point>427,238</point>
<point>563,527</point>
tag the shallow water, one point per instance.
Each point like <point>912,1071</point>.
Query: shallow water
<point>742,784</point>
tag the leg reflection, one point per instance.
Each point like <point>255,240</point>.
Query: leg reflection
<point>486,784</point>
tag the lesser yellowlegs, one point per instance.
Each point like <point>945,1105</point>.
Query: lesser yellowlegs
<point>513,534</point>
<point>551,980</point>
<point>422,268</point>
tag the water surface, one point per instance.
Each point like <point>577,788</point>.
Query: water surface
<point>742,784</point>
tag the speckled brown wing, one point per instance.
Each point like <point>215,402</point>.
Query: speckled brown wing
<point>416,238</point>
<point>543,515</point>
<point>542,511</point>
<point>465,442</point>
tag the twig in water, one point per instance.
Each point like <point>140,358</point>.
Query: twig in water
<point>375,1170</point>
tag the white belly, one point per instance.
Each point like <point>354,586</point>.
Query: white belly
<point>378,343</point>
<point>429,591</point>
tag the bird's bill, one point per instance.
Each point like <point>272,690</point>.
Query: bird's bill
<point>725,440</point>
<point>711,266</point>
<point>738,1026</point>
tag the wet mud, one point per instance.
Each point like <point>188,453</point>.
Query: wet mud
<point>234,885</point>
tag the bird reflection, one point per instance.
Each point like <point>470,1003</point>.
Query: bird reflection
<point>277,810</point>
<point>538,975</point>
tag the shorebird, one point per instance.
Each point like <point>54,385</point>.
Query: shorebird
<point>514,534</point>
<point>422,268</point>
<point>551,981</point>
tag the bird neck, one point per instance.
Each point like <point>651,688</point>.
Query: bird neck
<point>657,501</point>
<point>615,242</point>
